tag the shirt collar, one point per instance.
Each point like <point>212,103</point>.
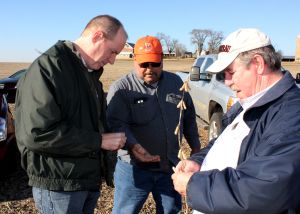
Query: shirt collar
<point>249,101</point>
<point>84,63</point>
<point>73,48</point>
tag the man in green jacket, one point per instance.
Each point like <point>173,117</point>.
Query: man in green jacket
<point>60,118</point>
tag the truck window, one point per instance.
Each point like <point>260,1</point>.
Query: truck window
<point>220,76</point>
<point>199,62</point>
<point>209,61</point>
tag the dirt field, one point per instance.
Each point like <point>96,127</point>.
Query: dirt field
<point>121,67</point>
<point>15,195</point>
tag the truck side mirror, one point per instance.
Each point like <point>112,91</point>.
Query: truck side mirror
<point>297,78</point>
<point>205,76</point>
<point>195,73</point>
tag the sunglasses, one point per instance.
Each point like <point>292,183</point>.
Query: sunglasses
<point>147,64</point>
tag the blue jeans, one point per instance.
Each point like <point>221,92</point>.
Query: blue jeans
<point>133,185</point>
<point>59,202</point>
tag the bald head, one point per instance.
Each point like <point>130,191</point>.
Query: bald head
<point>106,23</point>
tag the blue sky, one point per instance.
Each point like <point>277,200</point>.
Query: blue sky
<point>29,26</point>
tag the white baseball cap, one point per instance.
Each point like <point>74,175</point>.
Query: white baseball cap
<point>239,41</point>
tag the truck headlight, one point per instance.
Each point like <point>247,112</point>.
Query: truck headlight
<point>231,101</point>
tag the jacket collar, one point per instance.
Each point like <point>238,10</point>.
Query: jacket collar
<point>70,45</point>
<point>283,85</point>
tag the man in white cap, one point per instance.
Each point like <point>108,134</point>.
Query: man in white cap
<point>253,166</point>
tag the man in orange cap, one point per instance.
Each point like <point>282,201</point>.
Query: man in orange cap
<point>143,104</point>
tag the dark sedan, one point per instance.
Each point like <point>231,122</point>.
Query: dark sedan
<point>8,85</point>
<point>9,153</point>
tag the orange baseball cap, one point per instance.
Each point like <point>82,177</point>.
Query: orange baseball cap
<point>148,49</point>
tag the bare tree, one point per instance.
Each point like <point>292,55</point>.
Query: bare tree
<point>214,42</point>
<point>181,49</point>
<point>166,41</point>
<point>175,44</point>
<point>198,38</point>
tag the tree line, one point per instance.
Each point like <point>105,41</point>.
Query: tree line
<point>205,40</point>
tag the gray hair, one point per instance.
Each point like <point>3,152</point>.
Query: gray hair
<point>108,24</point>
<point>270,56</point>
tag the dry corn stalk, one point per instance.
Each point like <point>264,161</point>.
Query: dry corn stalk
<point>181,154</point>
<point>185,87</point>
<point>181,105</point>
<point>176,130</point>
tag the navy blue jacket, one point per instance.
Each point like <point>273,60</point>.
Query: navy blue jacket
<point>267,177</point>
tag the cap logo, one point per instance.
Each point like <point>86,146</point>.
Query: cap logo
<point>148,47</point>
<point>224,48</point>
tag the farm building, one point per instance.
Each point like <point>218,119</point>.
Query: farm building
<point>127,52</point>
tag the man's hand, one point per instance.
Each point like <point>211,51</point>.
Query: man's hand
<point>187,166</point>
<point>180,181</point>
<point>142,155</point>
<point>182,174</point>
<point>113,141</point>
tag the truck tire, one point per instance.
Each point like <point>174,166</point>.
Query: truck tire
<point>215,125</point>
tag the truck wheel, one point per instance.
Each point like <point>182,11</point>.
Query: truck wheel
<point>215,124</point>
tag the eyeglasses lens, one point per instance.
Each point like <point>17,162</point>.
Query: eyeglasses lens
<point>147,64</point>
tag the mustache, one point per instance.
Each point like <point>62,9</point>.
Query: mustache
<point>150,73</point>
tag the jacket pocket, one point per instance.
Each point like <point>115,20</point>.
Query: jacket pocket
<point>143,110</point>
